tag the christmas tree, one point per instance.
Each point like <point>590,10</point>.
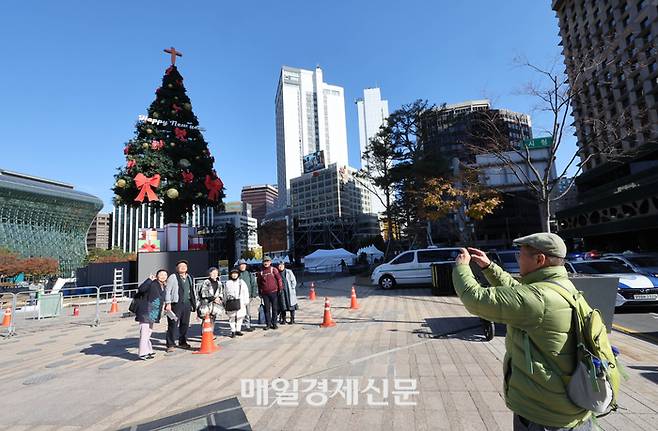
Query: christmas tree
<point>168,163</point>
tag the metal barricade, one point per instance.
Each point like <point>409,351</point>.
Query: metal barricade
<point>38,310</point>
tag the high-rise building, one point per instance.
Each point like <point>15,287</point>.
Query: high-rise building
<point>329,208</point>
<point>372,111</point>
<point>462,131</point>
<point>609,51</point>
<point>262,199</point>
<point>244,227</point>
<point>328,194</point>
<point>98,235</point>
<point>448,130</point>
<point>127,221</point>
<point>310,118</point>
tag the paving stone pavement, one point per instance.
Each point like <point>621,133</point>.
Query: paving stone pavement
<point>90,378</point>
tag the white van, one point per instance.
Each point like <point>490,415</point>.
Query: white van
<point>412,267</point>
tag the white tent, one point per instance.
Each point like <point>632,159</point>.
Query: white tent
<point>372,252</point>
<point>328,260</point>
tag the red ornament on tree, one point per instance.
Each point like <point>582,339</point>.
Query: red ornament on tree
<point>214,186</point>
<point>131,164</point>
<point>187,176</point>
<point>177,108</point>
<point>157,145</point>
<point>181,134</point>
<point>126,149</point>
<point>169,69</point>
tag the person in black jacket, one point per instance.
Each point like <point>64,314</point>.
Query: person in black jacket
<point>150,301</point>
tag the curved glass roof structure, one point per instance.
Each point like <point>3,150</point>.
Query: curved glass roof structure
<point>45,218</point>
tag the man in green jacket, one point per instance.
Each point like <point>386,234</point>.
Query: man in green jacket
<point>250,281</point>
<point>540,344</point>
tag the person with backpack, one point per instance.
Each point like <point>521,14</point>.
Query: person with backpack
<point>149,302</point>
<point>548,326</point>
<point>269,286</point>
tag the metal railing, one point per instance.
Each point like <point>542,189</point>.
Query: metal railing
<point>34,310</point>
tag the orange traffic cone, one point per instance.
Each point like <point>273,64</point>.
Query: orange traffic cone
<point>115,306</point>
<point>6,321</point>
<point>354,305</point>
<point>311,295</point>
<point>207,346</point>
<point>327,322</point>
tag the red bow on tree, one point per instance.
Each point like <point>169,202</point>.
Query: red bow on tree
<point>131,164</point>
<point>169,69</point>
<point>187,176</point>
<point>214,186</point>
<point>176,107</point>
<point>181,134</point>
<point>144,185</point>
<point>157,145</point>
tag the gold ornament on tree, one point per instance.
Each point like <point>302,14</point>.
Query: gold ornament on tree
<point>149,131</point>
<point>121,183</point>
<point>172,193</point>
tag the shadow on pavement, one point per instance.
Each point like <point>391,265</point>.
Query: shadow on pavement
<point>461,328</point>
<point>651,373</point>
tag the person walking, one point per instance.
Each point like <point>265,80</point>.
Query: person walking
<point>180,300</point>
<point>149,310</point>
<point>541,340</point>
<point>236,298</point>
<point>288,295</point>
<point>210,296</point>
<point>269,285</point>
<point>252,284</point>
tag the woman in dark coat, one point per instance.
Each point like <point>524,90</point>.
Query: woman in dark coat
<point>149,310</point>
<point>287,295</point>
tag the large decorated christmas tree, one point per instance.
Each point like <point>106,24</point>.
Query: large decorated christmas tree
<point>168,163</point>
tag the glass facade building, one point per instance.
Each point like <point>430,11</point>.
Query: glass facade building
<point>45,218</point>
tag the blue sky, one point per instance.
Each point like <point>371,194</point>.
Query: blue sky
<point>76,74</point>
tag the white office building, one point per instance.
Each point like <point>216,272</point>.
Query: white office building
<point>310,117</point>
<point>372,111</point>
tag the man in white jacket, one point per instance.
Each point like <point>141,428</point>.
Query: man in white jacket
<point>236,293</point>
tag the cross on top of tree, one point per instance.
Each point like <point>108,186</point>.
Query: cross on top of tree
<point>174,54</point>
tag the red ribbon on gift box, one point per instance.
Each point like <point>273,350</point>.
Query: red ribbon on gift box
<point>148,247</point>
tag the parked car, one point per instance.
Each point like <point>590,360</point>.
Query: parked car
<point>646,263</point>
<point>506,259</point>
<point>583,255</point>
<point>412,267</point>
<point>634,288</point>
